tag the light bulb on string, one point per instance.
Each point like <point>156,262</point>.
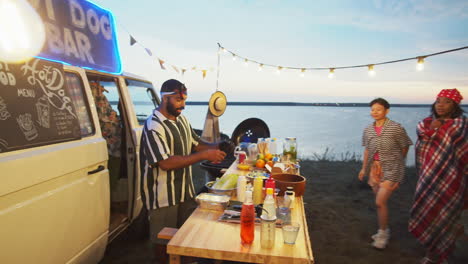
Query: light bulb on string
<point>278,71</point>
<point>331,74</point>
<point>371,71</point>
<point>260,67</point>
<point>303,72</point>
<point>246,62</point>
<point>224,50</point>
<point>234,57</point>
<point>420,65</point>
<point>22,32</point>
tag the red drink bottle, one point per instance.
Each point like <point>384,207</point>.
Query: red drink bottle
<point>247,219</point>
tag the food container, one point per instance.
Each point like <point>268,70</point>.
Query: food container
<point>228,192</point>
<point>284,180</point>
<point>211,201</point>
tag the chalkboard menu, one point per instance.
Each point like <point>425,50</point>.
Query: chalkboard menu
<point>35,106</point>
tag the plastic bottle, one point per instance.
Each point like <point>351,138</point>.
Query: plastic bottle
<point>268,232</point>
<point>289,196</point>
<point>247,220</point>
<point>241,188</point>
<point>258,189</point>
<point>269,204</point>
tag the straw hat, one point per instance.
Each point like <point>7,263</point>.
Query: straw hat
<point>217,103</point>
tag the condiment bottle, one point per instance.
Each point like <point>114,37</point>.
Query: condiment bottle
<point>269,204</point>
<point>257,192</point>
<point>241,188</point>
<point>270,183</point>
<point>247,220</point>
<point>289,196</point>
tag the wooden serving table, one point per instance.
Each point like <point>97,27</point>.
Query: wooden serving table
<point>202,235</point>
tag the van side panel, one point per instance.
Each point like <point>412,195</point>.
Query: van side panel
<point>51,210</point>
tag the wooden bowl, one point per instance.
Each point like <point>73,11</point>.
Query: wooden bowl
<point>284,180</point>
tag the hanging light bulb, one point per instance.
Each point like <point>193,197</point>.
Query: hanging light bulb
<point>420,65</point>
<point>246,62</point>
<point>260,67</point>
<point>303,72</point>
<point>233,57</point>
<point>22,32</point>
<point>331,74</point>
<point>371,70</point>
<point>278,71</point>
<point>224,50</point>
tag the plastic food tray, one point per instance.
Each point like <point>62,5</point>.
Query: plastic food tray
<point>211,201</point>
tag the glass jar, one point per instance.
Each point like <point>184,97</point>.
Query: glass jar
<point>290,149</point>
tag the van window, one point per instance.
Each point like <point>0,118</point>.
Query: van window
<point>75,87</point>
<point>106,96</point>
<point>143,99</point>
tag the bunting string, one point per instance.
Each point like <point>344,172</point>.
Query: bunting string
<point>162,63</point>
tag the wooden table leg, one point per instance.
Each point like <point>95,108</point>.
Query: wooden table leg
<point>174,259</point>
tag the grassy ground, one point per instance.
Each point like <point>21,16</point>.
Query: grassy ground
<point>341,217</point>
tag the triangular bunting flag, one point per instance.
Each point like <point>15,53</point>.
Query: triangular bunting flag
<point>175,68</point>
<point>132,40</point>
<point>194,68</point>
<point>149,52</point>
<point>161,62</point>
<point>204,73</point>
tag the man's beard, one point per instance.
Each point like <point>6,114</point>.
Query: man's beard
<point>173,111</point>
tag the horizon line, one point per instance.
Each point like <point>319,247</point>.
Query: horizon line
<point>294,104</point>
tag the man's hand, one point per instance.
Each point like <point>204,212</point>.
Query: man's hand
<point>227,146</point>
<point>214,155</point>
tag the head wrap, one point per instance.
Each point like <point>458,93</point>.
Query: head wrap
<point>173,86</point>
<point>453,94</point>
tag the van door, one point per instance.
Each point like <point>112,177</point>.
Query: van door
<point>54,191</point>
<point>112,121</point>
<point>141,102</point>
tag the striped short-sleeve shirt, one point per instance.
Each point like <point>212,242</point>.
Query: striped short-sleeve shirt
<point>389,144</point>
<point>162,138</point>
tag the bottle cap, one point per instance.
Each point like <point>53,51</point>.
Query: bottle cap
<point>269,191</point>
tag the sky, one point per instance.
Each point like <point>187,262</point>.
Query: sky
<point>301,34</point>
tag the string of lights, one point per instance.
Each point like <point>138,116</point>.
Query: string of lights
<point>370,66</point>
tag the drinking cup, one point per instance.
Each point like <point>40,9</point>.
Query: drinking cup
<point>240,156</point>
<point>290,232</point>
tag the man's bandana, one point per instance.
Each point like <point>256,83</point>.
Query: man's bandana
<point>178,91</point>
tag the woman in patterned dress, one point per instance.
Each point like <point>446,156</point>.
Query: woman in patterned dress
<point>385,144</point>
<point>441,191</point>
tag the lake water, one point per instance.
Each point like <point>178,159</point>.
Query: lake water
<point>317,128</point>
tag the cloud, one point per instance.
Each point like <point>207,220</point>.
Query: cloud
<point>398,15</point>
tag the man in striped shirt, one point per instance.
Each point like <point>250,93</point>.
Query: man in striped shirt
<point>168,148</point>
